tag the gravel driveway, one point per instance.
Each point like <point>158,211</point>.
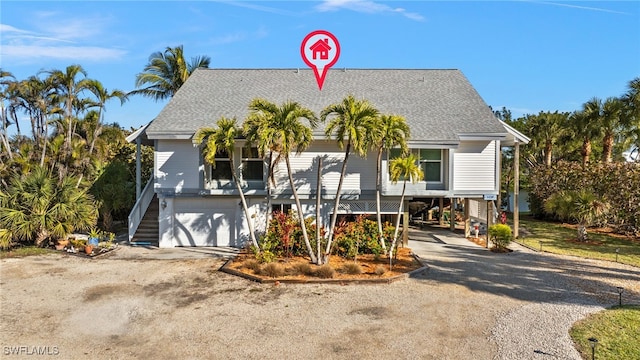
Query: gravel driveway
<point>174,304</point>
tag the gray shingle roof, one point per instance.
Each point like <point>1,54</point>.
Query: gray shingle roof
<point>439,105</point>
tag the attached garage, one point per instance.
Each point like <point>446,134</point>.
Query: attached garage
<point>205,222</point>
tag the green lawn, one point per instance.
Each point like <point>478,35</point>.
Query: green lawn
<point>616,330</point>
<point>24,251</point>
<point>554,238</point>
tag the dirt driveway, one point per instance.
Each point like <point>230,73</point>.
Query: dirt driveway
<point>126,306</point>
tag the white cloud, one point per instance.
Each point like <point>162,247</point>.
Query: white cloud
<point>365,6</point>
<point>260,33</point>
<point>22,52</point>
<point>53,38</point>
<point>590,8</point>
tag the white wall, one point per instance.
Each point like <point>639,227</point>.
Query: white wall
<point>206,221</point>
<point>474,166</point>
<point>361,173</point>
<point>176,165</point>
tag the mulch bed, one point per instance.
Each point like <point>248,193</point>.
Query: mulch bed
<point>404,264</point>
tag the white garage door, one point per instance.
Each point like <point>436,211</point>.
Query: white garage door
<point>204,226</point>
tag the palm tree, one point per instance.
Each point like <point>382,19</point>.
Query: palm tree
<point>68,90</point>
<point>353,120</point>
<point>36,207</point>
<point>102,95</point>
<point>547,128</point>
<point>223,139</point>
<point>611,125</point>
<point>631,100</point>
<point>403,168</point>
<point>280,130</point>
<point>166,72</point>
<point>389,131</point>
<point>581,127</point>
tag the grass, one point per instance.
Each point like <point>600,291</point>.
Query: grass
<point>24,251</point>
<point>557,239</point>
<point>617,332</point>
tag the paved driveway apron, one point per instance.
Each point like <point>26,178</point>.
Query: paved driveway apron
<point>540,295</point>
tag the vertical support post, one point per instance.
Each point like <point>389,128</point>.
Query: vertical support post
<point>138,168</point>
<point>452,215</point>
<point>405,224</point>
<point>467,220</point>
<point>489,219</point>
<point>318,202</point>
<point>441,212</point>
<point>516,189</point>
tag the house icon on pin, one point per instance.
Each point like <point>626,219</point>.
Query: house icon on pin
<point>321,48</point>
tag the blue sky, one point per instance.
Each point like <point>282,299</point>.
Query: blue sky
<point>525,55</point>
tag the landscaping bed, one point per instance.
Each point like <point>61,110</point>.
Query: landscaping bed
<point>365,268</point>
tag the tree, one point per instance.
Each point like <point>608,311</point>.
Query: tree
<point>222,139</point>
<point>403,168</point>
<point>166,72</point>
<point>582,126</point>
<point>631,101</point>
<point>582,206</point>
<point>611,125</point>
<point>546,129</point>
<point>36,207</point>
<point>68,90</point>
<point>389,131</point>
<point>281,130</point>
<point>352,121</point>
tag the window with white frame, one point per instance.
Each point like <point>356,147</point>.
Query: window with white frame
<point>431,164</point>
<point>429,160</point>
<point>252,165</point>
<point>221,171</point>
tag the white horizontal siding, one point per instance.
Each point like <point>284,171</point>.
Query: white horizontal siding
<point>176,165</point>
<point>474,165</point>
<point>360,172</point>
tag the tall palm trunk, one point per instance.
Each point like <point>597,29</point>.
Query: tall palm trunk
<point>396,230</point>
<point>334,216</point>
<point>586,151</point>
<point>547,153</point>
<point>607,148</point>
<point>269,180</point>
<point>378,191</point>
<point>252,234</point>
<point>307,243</point>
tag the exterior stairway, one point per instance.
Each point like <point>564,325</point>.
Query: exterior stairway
<point>148,230</point>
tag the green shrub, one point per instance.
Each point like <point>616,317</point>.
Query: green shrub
<point>325,272</point>
<point>360,237</point>
<point>500,235</point>
<point>352,269</point>
<point>266,256</point>
<point>618,183</point>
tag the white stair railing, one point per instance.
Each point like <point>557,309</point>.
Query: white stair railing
<point>140,208</point>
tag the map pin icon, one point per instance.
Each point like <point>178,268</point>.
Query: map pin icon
<point>320,50</point>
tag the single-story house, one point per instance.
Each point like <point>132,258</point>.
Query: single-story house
<point>453,131</point>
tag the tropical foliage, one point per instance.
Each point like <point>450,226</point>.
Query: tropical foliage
<point>406,169</point>
<point>614,188</point>
<point>166,72</point>
<point>351,125</point>
<point>279,129</point>
<point>36,207</point>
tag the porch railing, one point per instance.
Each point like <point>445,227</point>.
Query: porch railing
<point>140,208</point>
